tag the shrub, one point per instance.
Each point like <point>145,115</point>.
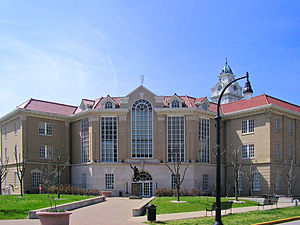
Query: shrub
<point>164,192</point>
<point>72,190</point>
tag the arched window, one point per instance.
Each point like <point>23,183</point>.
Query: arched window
<point>108,105</point>
<point>141,129</point>
<point>175,104</point>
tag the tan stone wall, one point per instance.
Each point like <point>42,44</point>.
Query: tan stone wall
<point>12,139</point>
<point>76,143</point>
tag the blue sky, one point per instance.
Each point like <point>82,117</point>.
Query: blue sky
<point>64,51</point>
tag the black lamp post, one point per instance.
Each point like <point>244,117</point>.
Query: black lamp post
<point>248,92</point>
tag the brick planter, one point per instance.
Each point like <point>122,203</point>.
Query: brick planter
<point>57,218</point>
<point>106,193</point>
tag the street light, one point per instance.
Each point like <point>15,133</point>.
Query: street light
<point>247,91</point>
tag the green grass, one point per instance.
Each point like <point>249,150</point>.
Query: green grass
<point>17,207</point>
<point>242,218</point>
<point>165,205</point>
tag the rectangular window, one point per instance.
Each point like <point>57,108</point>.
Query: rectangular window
<point>176,139</point>
<point>240,186</point>
<point>46,152</point>
<point>173,181</point>
<point>204,140</point>
<point>45,128</point>
<point>256,181</point>
<point>109,139</point>
<point>247,126</point>
<point>5,132</point>
<point>290,128</point>
<point>277,181</point>
<point>248,151</point>
<point>277,151</point>
<point>277,125</point>
<point>16,180</point>
<point>36,179</point>
<point>109,181</point>
<point>84,140</point>
<point>290,153</point>
<point>205,182</point>
<point>6,155</point>
<point>15,127</point>
<point>6,184</point>
<point>83,181</point>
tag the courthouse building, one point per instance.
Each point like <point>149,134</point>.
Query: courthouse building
<point>103,137</point>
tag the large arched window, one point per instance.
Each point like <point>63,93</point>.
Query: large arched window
<point>141,129</point>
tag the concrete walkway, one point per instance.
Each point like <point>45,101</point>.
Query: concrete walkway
<point>118,211</point>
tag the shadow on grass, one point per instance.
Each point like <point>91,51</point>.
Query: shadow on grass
<point>13,214</point>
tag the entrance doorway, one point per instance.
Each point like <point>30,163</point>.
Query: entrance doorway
<point>146,186</point>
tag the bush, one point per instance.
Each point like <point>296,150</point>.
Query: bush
<point>164,192</point>
<point>168,192</point>
<point>72,190</point>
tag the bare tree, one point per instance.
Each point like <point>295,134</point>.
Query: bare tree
<point>250,177</point>
<point>47,176</point>
<point>21,162</point>
<point>175,167</point>
<point>234,157</point>
<point>3,172</point>
<point>275,180</point>
<point>290,175</point>
<point>59,168</point>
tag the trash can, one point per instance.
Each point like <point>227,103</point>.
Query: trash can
<point>151,212</point>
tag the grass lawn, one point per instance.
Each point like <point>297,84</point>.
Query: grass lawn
<point>242,218</point>
<point>165,205</point>
<point>17,207</point>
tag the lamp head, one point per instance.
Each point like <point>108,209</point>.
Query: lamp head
<point>247,91</point>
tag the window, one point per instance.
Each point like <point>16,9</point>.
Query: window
<point>45,128</point>
<point>204,140</point>
<point>141,129</point>
<point>109,139</point>
<point>6,155</point>
<point>248,151</point>
<point>46,152</point>
<point>5,132</point>
<point>205,182</point>
<point>175,104</point>
<point>176,139</point>
<point>256,181</point>
<point>240,184</point>
<point>277,181</point>
<point>16,180</point>
<point>277,125</point>
<point>204,106</point>
<point>173,181</point>
<point>84,125</point>
<point>108,105</point>
<point>15,127</point>
<point>290,153</point>
<point>247,126</point>
<point>83,181</point>
<point>6,184</point>
<point>109,181</point>
<point>36,179</point>
<point>277,151</point>
<point>290,128</point>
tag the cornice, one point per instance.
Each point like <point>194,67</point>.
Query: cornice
<point>170,111</point>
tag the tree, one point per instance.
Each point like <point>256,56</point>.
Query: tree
<point>59,168</point>
<point>3,172</point>
<point>234,157</point>
<point>175,167</point>
<point>250,177</point>
<point>290,175</point>
<point>21,163</point>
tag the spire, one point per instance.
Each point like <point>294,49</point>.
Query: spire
<point>226,68</point>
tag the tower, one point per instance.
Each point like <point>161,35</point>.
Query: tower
<point>233,93</point>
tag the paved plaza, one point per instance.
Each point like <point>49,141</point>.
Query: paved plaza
<point>118,211</point>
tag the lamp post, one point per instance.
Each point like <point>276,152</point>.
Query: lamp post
<point>248,92</point>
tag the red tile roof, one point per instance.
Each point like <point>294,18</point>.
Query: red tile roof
<point>49,107</point>
<point>256,101</point>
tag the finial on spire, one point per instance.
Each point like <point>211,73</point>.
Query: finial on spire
<point>142,79</point>
<point>226,61</point>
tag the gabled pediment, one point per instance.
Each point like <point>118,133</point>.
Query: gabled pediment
<point>141,89</point>
<point>108,100</point>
